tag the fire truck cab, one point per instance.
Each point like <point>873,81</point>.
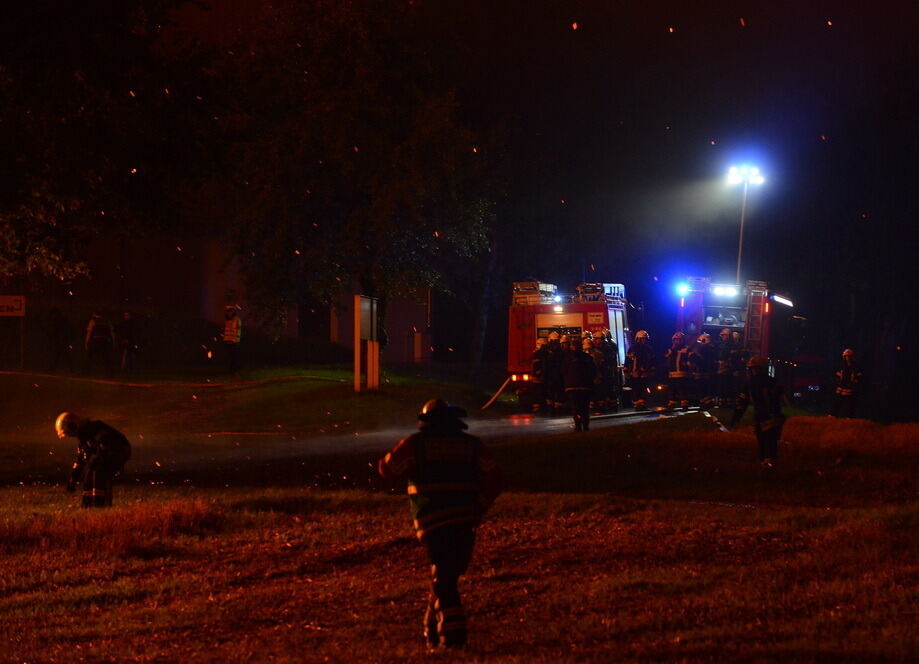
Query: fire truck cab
<point>538,309</point>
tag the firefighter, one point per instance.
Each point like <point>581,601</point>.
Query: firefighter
<point>702,359</point>
<point>128,340</point>
<point>848,381</point>
<point>232,335</point>
<point>725,385</point>
<point>555,388</point>
<point>101,454</point>
<point>611,370</point>
<point>538,380</point>
<point>767,396</point>
<point>678,372</point>
<point>640,369</point>
<point>580,373</point>
<point>599,394</point>
<point>99,343</point>
<point>452,481</point>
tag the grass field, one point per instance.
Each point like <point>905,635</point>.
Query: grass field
<point>652,542</point>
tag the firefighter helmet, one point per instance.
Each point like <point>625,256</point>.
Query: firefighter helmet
<point>553,336</point>
<point>848,352</point>
<point>756,362</point>
<point>541,341</point>
<point>67,424</point>
<point>641,334</point>
<point>704,338</point>
<point>438,410</point>
<point>678,336</point>
<point>724,333</point>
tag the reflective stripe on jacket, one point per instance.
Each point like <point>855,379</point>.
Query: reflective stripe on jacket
<point>452,478</point>
<point>233,330</point>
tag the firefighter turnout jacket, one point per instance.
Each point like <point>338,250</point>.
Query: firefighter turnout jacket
<point>452,477</point>
<point>640,361</point>
<point>232,330</point>
<point>766,395</point>
<point>678,364</point>
<point>99,444</point>
<point>847,380</point>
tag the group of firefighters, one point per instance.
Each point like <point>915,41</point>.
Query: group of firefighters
<point>582,372</point>
<point>705,372</point>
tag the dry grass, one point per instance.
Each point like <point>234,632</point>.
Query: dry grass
<point>736,566</point>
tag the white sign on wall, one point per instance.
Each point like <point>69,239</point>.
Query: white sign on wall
<point>12,305</point>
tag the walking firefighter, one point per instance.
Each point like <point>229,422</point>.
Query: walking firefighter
<point>640,369</point>
<point>452,481</point>
<point>767,397</point>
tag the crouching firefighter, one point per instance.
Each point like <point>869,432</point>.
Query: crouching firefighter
<point>452,481</point>
<point>101,454</point>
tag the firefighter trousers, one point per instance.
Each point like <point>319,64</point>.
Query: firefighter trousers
<point>843,405</point>
<point>767,440</point>
<point>97,481</point>
<point>678,392</point>
<point>580,407</point>
<point>640,391</point>
<point>449,550</point>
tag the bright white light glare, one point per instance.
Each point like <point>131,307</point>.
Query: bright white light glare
<point>783,300</point>
<point>557,309</point>
<point>724,291</point>
<point>682,290</point>
<point>748,174</point>
<point>557,298</point>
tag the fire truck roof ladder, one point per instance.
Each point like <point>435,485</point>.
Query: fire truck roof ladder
<point>755,316</point>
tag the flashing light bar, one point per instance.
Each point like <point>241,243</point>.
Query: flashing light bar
<point>558,309</point>
<point>725,291</point>
<point>682,289</point>
<point>783,300</point>
<point>557,298</point>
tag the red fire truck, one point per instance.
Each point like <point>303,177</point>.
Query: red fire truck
<point>538,309</point>
<point>763,317</point>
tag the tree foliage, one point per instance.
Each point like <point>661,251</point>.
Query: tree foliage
<point>87,134</point>
<point>340,161</point>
